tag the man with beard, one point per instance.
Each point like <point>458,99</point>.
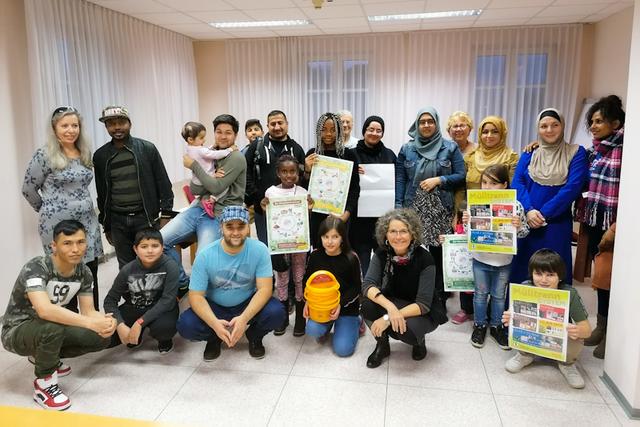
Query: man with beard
<point>132,184</point>
<point>230,290</point>
<point>262,159</point>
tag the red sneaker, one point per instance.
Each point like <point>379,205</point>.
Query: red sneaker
<point>207,205</point>
<point>460,317</point>
<point>47,394</point>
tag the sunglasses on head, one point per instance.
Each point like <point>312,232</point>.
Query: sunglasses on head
<point>66,109</point>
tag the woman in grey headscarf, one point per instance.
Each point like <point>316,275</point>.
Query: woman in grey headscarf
<point>428,170</point>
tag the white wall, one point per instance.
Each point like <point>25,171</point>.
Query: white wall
<point>623,340</point>
<point>19,229</point>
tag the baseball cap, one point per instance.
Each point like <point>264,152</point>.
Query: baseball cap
<point>231,213</point>
<point>114,111</point>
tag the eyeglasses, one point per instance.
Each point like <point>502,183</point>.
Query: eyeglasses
<point>65,109</point>
<point>398,232</point>
<point>460,126</point>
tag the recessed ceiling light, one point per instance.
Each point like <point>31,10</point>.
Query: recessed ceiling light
<point>254,24</point>
<point>426,15</point>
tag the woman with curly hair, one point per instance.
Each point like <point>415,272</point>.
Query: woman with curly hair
<point>399,288</point>
<point>56,185</point>
<point>330,143</point>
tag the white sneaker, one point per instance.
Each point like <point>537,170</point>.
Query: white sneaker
<point>47,394</point>
<point>517,362</point>
<point>63,369</point>
<point>572,375</point>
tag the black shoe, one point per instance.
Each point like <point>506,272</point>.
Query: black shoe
<point>381,352</point>
<point>256,349</point>
<point>165,347</point>
<point>280,330</point>
<point>301,322</point>
<point>478,335</point>
<point>212,350</point>
<point>419,352</point>
<point>500,336</point>
<point>183,289</point>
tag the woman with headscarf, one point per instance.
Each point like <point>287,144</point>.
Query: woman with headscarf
<point>369,150</point>
<point>548,180</point>
<point>428,170</point>
<point>330,143</point>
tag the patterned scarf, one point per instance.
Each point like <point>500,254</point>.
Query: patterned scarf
<point>600,207</point>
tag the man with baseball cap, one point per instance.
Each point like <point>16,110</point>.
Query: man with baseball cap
<point>230,289</point>
<point>132,184</point>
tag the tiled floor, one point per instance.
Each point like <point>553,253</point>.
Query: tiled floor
<point>301,382</point>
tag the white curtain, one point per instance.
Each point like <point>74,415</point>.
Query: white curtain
<point>511,72</point>
<point>83,55</point>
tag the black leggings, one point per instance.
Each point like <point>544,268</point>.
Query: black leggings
<point>417,327</point>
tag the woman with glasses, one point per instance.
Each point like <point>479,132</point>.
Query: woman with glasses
<point>399,288</point>
<point>56,185</point>
<point>370,150</point>
<point>429,169</point>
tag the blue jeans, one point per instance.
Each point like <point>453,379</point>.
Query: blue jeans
<point>191,327</point>
<point>492,281</point>
<point>193,220</point>
<point>345,333</point>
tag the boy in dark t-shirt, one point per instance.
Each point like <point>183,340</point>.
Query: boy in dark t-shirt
<point>547,270</point>
<point>36,323</point>
<point>149,286</point>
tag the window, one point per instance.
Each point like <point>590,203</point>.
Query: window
<point>339,84</point>
<point>513,87</point>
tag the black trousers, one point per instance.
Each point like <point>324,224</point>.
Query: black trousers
<point>123,232</point>
<point>163,328</point>
<point>417,327</point>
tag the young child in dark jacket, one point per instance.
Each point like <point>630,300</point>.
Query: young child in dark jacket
<point>149,287</point>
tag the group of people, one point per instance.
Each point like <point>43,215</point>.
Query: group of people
<point>389,268</point>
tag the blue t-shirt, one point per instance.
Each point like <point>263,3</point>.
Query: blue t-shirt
<point>230,279</point>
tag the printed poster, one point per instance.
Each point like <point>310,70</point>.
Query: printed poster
<point>329,184</point>
<point>457,264</point>
<point>539,319</point>
<point>377,190</point>
<point>490,228</point>
<point>288,224</point>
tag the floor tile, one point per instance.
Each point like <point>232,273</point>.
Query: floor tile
<point>184,353</point>
<point>448,365</point>
<point>218,397</point>
<point>541,378</point>
<point>319,360</point>
<point>325,402</point>
<point>130,389</point>
<point>413,406</point>
<point>527,411</point>
<point>594,369</point>
<point>621,416</point>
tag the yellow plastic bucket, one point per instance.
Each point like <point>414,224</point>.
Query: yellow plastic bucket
<point>321,313</point>
<point>322,295</point>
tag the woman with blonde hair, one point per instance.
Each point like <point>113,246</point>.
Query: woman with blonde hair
<point>56,185</point>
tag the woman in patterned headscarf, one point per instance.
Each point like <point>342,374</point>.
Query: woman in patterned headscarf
<point>330,143</point>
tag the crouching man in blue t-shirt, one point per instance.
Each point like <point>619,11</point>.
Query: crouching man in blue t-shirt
<point>230,289</point>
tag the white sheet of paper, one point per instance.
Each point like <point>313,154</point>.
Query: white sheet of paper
<point>377,189</point>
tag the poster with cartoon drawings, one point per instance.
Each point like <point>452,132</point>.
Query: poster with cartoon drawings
<point>329,184</point>
<point>539,319</point>
<point>457,264</point>
<point>490,216</point>
<point>288,224</point>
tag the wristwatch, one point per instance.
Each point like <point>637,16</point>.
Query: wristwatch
<point>385,317</point>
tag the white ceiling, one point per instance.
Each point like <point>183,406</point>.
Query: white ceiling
<point>191,17</point>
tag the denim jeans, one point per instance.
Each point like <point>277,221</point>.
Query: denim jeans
<point>123,232</point>
<point>345,333</point>
<point>492,281</point>
<point>191,327</point>
<point>193,220</point>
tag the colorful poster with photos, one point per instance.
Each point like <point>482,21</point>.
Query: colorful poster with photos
<point>490,215</point>
<point>457,264</point>
<point>329,184</point>
<point>288,224</point>
<point>539,319</point>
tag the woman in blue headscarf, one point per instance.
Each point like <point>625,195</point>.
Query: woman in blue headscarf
<point>428,170</point>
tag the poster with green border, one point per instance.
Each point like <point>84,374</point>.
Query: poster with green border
<point>329,184</point>
<point>490,215</point>
<point>457,264</point>
<point>539,319</point>
<point>288,225</point>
